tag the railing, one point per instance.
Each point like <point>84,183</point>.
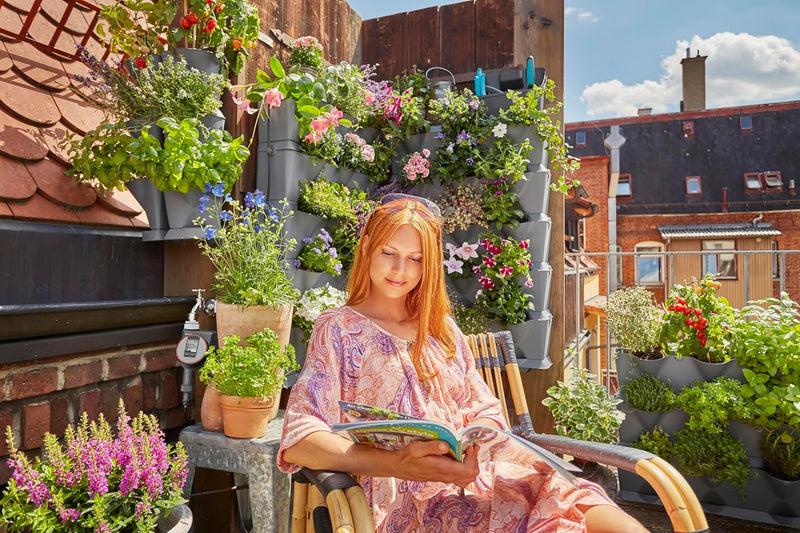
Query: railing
<point>757,274</point>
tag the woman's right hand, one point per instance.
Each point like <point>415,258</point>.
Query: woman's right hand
<point>429,461</point>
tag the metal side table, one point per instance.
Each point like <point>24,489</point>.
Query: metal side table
<point>269,488</point>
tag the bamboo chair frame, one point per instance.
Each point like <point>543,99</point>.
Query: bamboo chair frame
<point>495,359</point>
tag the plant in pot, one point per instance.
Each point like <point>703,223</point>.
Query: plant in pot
<point>249,379</point>
<point>306,52</point>
<point>635,321</point>
<point>583,409</point>
<point>312,303</point>
<point>97,479</point>
<point>525,109</point>
<point>697,321</point>
<point>246,243</point>
<point>462,207</point>
<point>502,266</point>
<point>318,255</point>
<point>649,393</point>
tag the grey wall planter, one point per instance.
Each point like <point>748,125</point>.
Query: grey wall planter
<point>182,208</point>
<point>534,191</point>
<point>532,340</point>
<point>537,229</point>
<point>202,60</point>
<point>300,226</point>
<point>678,371</point>
<point>285,168</point>
<point>151,200</point>
<point>281,124</point>
<point>541,275</point>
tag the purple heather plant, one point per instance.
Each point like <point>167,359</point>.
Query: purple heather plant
<point>95,480</point>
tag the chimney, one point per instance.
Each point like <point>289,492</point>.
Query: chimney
<point>644,111</point>
<point>694,82</point>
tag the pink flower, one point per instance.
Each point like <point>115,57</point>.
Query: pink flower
<point>486,243</point>
<point>494,249</point>
<point>426,152</point>
<point>529,283</point>
<point>320,124</point>
<point>313,137</point>
<point>476,269</point>
<point>506,270</point>
<point>467,251</point>
<point>273,98</point>
<point>454,265</point>
<point>368,153</point>
<point>524,244</point>
<point>489,261</point>
<point>369,97</point>
<point>243,104</point>
<point>333,116</point>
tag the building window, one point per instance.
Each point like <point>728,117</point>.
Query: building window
<point>746,123</point>
<point>772,181</point>
<point>580,138</point>
<point>688,128</point>
<point>649,265</point>
<point>776,269</point>
<point>720,263</point>
<point>624,186</point>
<point>693,187</point>
<point>752,182</point>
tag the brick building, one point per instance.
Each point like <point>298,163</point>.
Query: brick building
<point>719,181</point>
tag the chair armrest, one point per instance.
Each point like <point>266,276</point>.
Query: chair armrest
<point>347,504</point>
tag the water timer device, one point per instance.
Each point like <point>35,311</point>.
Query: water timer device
<point>191,349</point>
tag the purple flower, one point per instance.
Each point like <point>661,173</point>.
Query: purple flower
<point>473,105</point>
<point>470,161</point>
<point>297,263</point>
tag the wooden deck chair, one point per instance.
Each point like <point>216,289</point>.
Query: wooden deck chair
<point>347,508</point>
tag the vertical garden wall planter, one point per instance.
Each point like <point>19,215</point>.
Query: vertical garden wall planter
<point>537,229</point>
<point>281,124</point>
<point>202,60</point>
<point>280,175</point>
<point>541,275</point>
<point>532,340</point>
<point>534,191</point>
<point>182,208</point>
<point>151,200</point>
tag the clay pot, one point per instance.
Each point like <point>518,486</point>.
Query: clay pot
<point>244,417</point>
<point>211,410</point>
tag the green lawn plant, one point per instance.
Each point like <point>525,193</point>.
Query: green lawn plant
<point>254,370</point>
<point>649,393</point>
<point>635,321</point>
<point>583,409</point>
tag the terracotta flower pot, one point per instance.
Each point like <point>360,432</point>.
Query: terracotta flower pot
<point>246,418</point>
<point>211,410</point>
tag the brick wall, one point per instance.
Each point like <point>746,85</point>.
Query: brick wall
<point>37,397</point>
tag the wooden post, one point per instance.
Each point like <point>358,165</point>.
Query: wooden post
<point>539,32</point>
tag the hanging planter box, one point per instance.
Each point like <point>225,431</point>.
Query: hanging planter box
<point>532,340</point>
<point>182,208</point>
<point>416,143</point>
<point>283,171</point>
<point>300,226</point>
<point>306,279</point>
<point>281,125</point>
<point>537,229</point>
<point>537,157</point>
<point>534,191</point>
<point>202,60</point>
<point>637,422</point>
<point>151,200</point>
<point>677,371</point>
<point>541,275</point>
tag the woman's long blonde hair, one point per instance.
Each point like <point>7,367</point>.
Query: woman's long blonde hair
<point>428,302</point>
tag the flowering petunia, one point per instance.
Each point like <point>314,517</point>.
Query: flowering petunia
<point>529,283</point>
<point>506,270</point>
<point>500,130</point>
<point>489,261</point>
<point>486,282</point>
<point>524,244</point>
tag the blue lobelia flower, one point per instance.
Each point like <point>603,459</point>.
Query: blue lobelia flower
<point>210,233</point>
<point>249,200</point>
<point>218,190</point>
<point>225,216</point>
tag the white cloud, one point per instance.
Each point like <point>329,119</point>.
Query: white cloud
<point>741,69</point>
<point>581,14</point>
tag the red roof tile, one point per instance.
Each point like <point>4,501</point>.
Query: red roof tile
<point>37,110</point>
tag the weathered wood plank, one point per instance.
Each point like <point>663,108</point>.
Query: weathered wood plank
<point>457,37</point>
<point>494,34</point>
<point>422,31</point>
<point>393,58</point>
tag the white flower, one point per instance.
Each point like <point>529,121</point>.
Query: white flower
<point>500,130</point>
<point>315,301</point>
<point>454,265</point>
<point>451,249</point>
<point>467,251</point>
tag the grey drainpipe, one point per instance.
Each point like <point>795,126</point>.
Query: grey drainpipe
<point>613,142</point>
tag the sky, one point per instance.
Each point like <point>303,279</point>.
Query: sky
<point>622,55</point>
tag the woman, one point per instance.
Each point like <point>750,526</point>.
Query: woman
<point>395,345</point>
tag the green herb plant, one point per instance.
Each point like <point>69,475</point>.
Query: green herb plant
<point>712,404</point>
<point>255,370</point>
<point>649,393</point>
<point>767,345</point>
<point>717,455</point>
<point>780,450</point>
<point>656,441</point>
<point>635,321</point>
<point>583,409</point>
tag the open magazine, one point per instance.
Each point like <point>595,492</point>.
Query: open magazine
<point>393,431</point>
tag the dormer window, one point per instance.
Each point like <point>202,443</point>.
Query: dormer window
<point>624,187</point>
<point>746,123</point>
<point>752,182</point>
<point>580,139</point>
<point>773,181</point>
<point>688,129</point>
<point>693,186</point>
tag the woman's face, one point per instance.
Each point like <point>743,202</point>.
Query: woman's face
<point>396,267</point>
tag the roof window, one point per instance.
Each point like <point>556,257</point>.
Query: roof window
<point>693,186</point>
<point>746,123</point>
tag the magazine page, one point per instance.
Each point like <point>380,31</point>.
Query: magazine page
<point>357,412</point>
<point>495,442</point>
<point>397,434</point>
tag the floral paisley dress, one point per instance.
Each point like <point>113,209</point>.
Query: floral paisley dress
<point>351,358</point>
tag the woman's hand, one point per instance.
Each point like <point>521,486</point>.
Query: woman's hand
<point>429,461</point>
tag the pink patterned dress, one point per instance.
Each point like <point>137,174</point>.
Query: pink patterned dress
<point>351,358</point>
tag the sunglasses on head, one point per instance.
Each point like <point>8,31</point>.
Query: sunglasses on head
<point>429,205</point>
